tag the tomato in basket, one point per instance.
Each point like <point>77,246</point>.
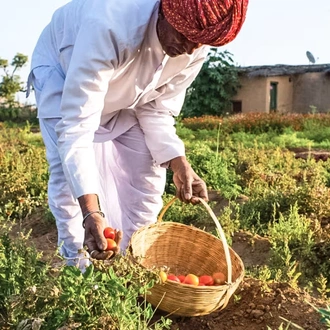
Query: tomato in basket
<point>163,276</point>
<point>191,279</point>
<point>174,278</point>
<point>206,279</point>
<point>219,278</point>
<point>181,278</point>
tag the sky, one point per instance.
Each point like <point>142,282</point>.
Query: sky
<point>274,32</point>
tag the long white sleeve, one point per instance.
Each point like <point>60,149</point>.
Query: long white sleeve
<point>82,103</point>
<point>156,118</point>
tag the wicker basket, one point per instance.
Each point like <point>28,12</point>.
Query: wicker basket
<point>186,249</point>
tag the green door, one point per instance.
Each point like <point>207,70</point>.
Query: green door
<point>273,96</point>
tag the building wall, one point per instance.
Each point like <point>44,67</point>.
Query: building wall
<point>311,91</point>
<point>300,93</point>
<point>284,93</point>
<point>252,94</point>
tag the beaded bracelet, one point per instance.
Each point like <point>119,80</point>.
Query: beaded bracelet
<point>90,213</point>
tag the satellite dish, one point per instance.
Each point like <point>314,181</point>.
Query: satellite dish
<point>310,57</point>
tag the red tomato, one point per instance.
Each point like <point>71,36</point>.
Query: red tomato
<point>174,278</point>
<point>191,279</point>
<point>206,279</point>
<point>109,232</point>
<point>219,278</point>
<point>181,278</point>
<point>111,244</point>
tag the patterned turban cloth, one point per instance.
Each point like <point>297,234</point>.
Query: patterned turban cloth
<point>209,22</point>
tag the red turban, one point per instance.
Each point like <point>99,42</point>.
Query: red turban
<point>210,22</point>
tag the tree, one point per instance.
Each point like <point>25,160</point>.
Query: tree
<point>11,83</point>
<point>213,88</point>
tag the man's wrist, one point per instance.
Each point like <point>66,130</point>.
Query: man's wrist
<point>177,162</point>
<point>85,216</point>
<point>88,203</point>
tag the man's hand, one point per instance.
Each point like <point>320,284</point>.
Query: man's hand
<point>94,225</point>
<point>188,184</point>
<point>95,241</point>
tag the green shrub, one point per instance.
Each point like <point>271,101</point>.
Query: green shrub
<point>105,296</point>
<point>24,172</point>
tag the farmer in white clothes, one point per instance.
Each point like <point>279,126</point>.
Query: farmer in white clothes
<point>109,77</point>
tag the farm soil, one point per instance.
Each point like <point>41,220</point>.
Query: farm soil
<point>254,306</point>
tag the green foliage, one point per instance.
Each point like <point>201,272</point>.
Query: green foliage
<point>213,88</point>
<point>24,172</point>
<point>288,203</point>
<point>20,271</point>
<point>325,315</point>
<point>215,168</point>
<point>105,296</point>
<point>292,238</point>
<point>18,113</point>
<point>257,123</point>
<point>274,177</point>
<point>183,213</point>
<point>11,83</point>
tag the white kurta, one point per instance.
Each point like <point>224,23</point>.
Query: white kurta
<point>112,60</point>
<point>99,69</point>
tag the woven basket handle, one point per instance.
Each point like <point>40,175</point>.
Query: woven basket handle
<point>219,230</point>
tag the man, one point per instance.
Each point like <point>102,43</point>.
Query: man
<point>109,77</point>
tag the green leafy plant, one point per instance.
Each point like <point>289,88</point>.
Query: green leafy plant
<point>212,90</point>
<point>324,314</point>
<point>11,83</point>
<point>106,296</point>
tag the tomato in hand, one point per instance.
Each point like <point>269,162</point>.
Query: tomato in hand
<point>206,279</point>
<point>111,244</point>
<point>219,278</point>
<point>109,232</point>
<point>174,278</point>
<point>191,279</point>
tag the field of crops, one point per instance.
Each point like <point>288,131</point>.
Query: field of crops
<point>269,183</point>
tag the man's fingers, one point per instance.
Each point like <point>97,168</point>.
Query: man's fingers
<point>100,239</point>
<point>187,189</point>
<point>116,250</point>
<point>104,255</point>
<point>200,190</point>
<point>194,200</point>
<point>101,255</point>
<point>119,237</point>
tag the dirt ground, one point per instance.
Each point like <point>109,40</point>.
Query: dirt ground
<point>255,307</point>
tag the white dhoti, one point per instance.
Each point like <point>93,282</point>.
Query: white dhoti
<point>131,186</point>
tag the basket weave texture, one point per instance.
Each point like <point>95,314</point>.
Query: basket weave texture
<point>186,249</point>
